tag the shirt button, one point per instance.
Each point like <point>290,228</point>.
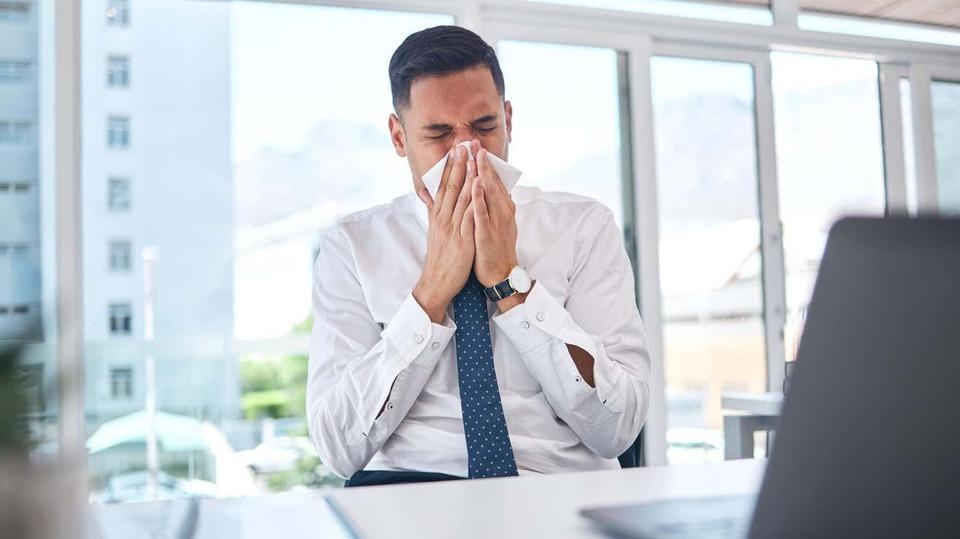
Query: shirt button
<point>435,346</point>
<point>525,325</point>
<point>390,406</point>
<point>577,379</point>
<point>540,317</point>
<point>419,338</point>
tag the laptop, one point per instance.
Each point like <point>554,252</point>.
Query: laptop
<point>869,437</point>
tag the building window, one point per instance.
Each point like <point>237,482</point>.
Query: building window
<point>121,319</point>
<point>118,132</point>
<point>14,132</point>
<point>120,255</point>
<point>14,71</point>
<point>118,12</point>
<point>118,194</point>
<point>118,71</point>
<point>121,382</point>
<point>14,11</point>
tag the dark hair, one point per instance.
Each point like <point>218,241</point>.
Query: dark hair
<point>438,51</point>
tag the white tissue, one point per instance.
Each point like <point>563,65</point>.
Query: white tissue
<point>508,173</point>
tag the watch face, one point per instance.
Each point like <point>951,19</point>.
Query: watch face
<point>520,280</point>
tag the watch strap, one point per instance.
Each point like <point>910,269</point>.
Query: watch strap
<point>500,290</point>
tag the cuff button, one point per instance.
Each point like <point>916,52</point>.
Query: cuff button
<point>525,325</point>
<point>540,317</point>
<point>435,346</point>
<point>419,338</point>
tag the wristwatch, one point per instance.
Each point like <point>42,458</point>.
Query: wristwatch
<point>518,282</point>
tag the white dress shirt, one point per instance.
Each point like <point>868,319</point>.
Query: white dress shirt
<point>372,340</point>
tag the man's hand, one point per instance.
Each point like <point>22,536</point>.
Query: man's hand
<point>496,228</point>
<point>450,236</point>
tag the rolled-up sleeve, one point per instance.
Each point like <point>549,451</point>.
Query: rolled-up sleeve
<point>355,368</point>
<point>599,316</point>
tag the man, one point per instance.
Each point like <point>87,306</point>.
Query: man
<point>418,369</point>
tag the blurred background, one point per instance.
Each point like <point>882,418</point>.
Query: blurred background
<point>220,138</point>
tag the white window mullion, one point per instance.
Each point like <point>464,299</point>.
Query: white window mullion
<point>785,13</point>
<point>893,137</point>
<point>771,232</point>
<point>648,245</point>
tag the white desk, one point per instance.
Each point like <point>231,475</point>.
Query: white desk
<point>754,411</point>
<point>538,506</point>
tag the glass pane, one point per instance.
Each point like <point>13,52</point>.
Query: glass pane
<point>741,11</point>
<point>829,161</point>
<point>857,26</point>
<point>28,375</point>
<point>710,256</point>
<point>945,97</point>
<point>247,133</point>
<point>558,147</point>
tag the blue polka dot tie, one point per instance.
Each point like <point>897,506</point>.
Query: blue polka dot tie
<point>489,453</point>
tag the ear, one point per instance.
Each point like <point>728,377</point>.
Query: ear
<point>508,117</point>
<point>397,136</point>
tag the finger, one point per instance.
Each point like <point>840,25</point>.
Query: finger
<point>466,226</point>
<point>424,195</point>
<point>487,171</point>
<point>444,178</point>
<point>466,193</point>
<point>454,184</point>
<point>481,214</point>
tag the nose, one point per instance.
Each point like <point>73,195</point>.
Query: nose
<point>462,137</point>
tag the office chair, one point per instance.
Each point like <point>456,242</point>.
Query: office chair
<point>633,456</point>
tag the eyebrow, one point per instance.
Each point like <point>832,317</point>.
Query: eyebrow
<point>444,127</point>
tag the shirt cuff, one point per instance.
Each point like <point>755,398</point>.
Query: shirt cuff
<point>533,323</point>
<point>411,332</point>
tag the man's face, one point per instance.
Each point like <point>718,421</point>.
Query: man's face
<point>447,110</point>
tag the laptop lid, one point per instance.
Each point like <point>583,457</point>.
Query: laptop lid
<point>869,439</point>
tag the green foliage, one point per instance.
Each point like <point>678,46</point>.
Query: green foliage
<point>303,328</point>
<point>274,386</point>
<point>14,432</point>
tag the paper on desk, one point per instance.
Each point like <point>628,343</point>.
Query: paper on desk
<point>508,173</point>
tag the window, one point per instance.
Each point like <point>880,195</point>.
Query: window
<point>118,194</point>
<point>118,12</point>
<point>14,132</point>
<point>120,255</point>
<point>121,382</point>
<point>121,317</point>
<point>590,162</point>
<point>710,256</point>
<point>14,71</point>
<point>118,132</point>
<point>118,71</point>
<point>945,96</point>
<point>829,161</point>
<point>14,11</point>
